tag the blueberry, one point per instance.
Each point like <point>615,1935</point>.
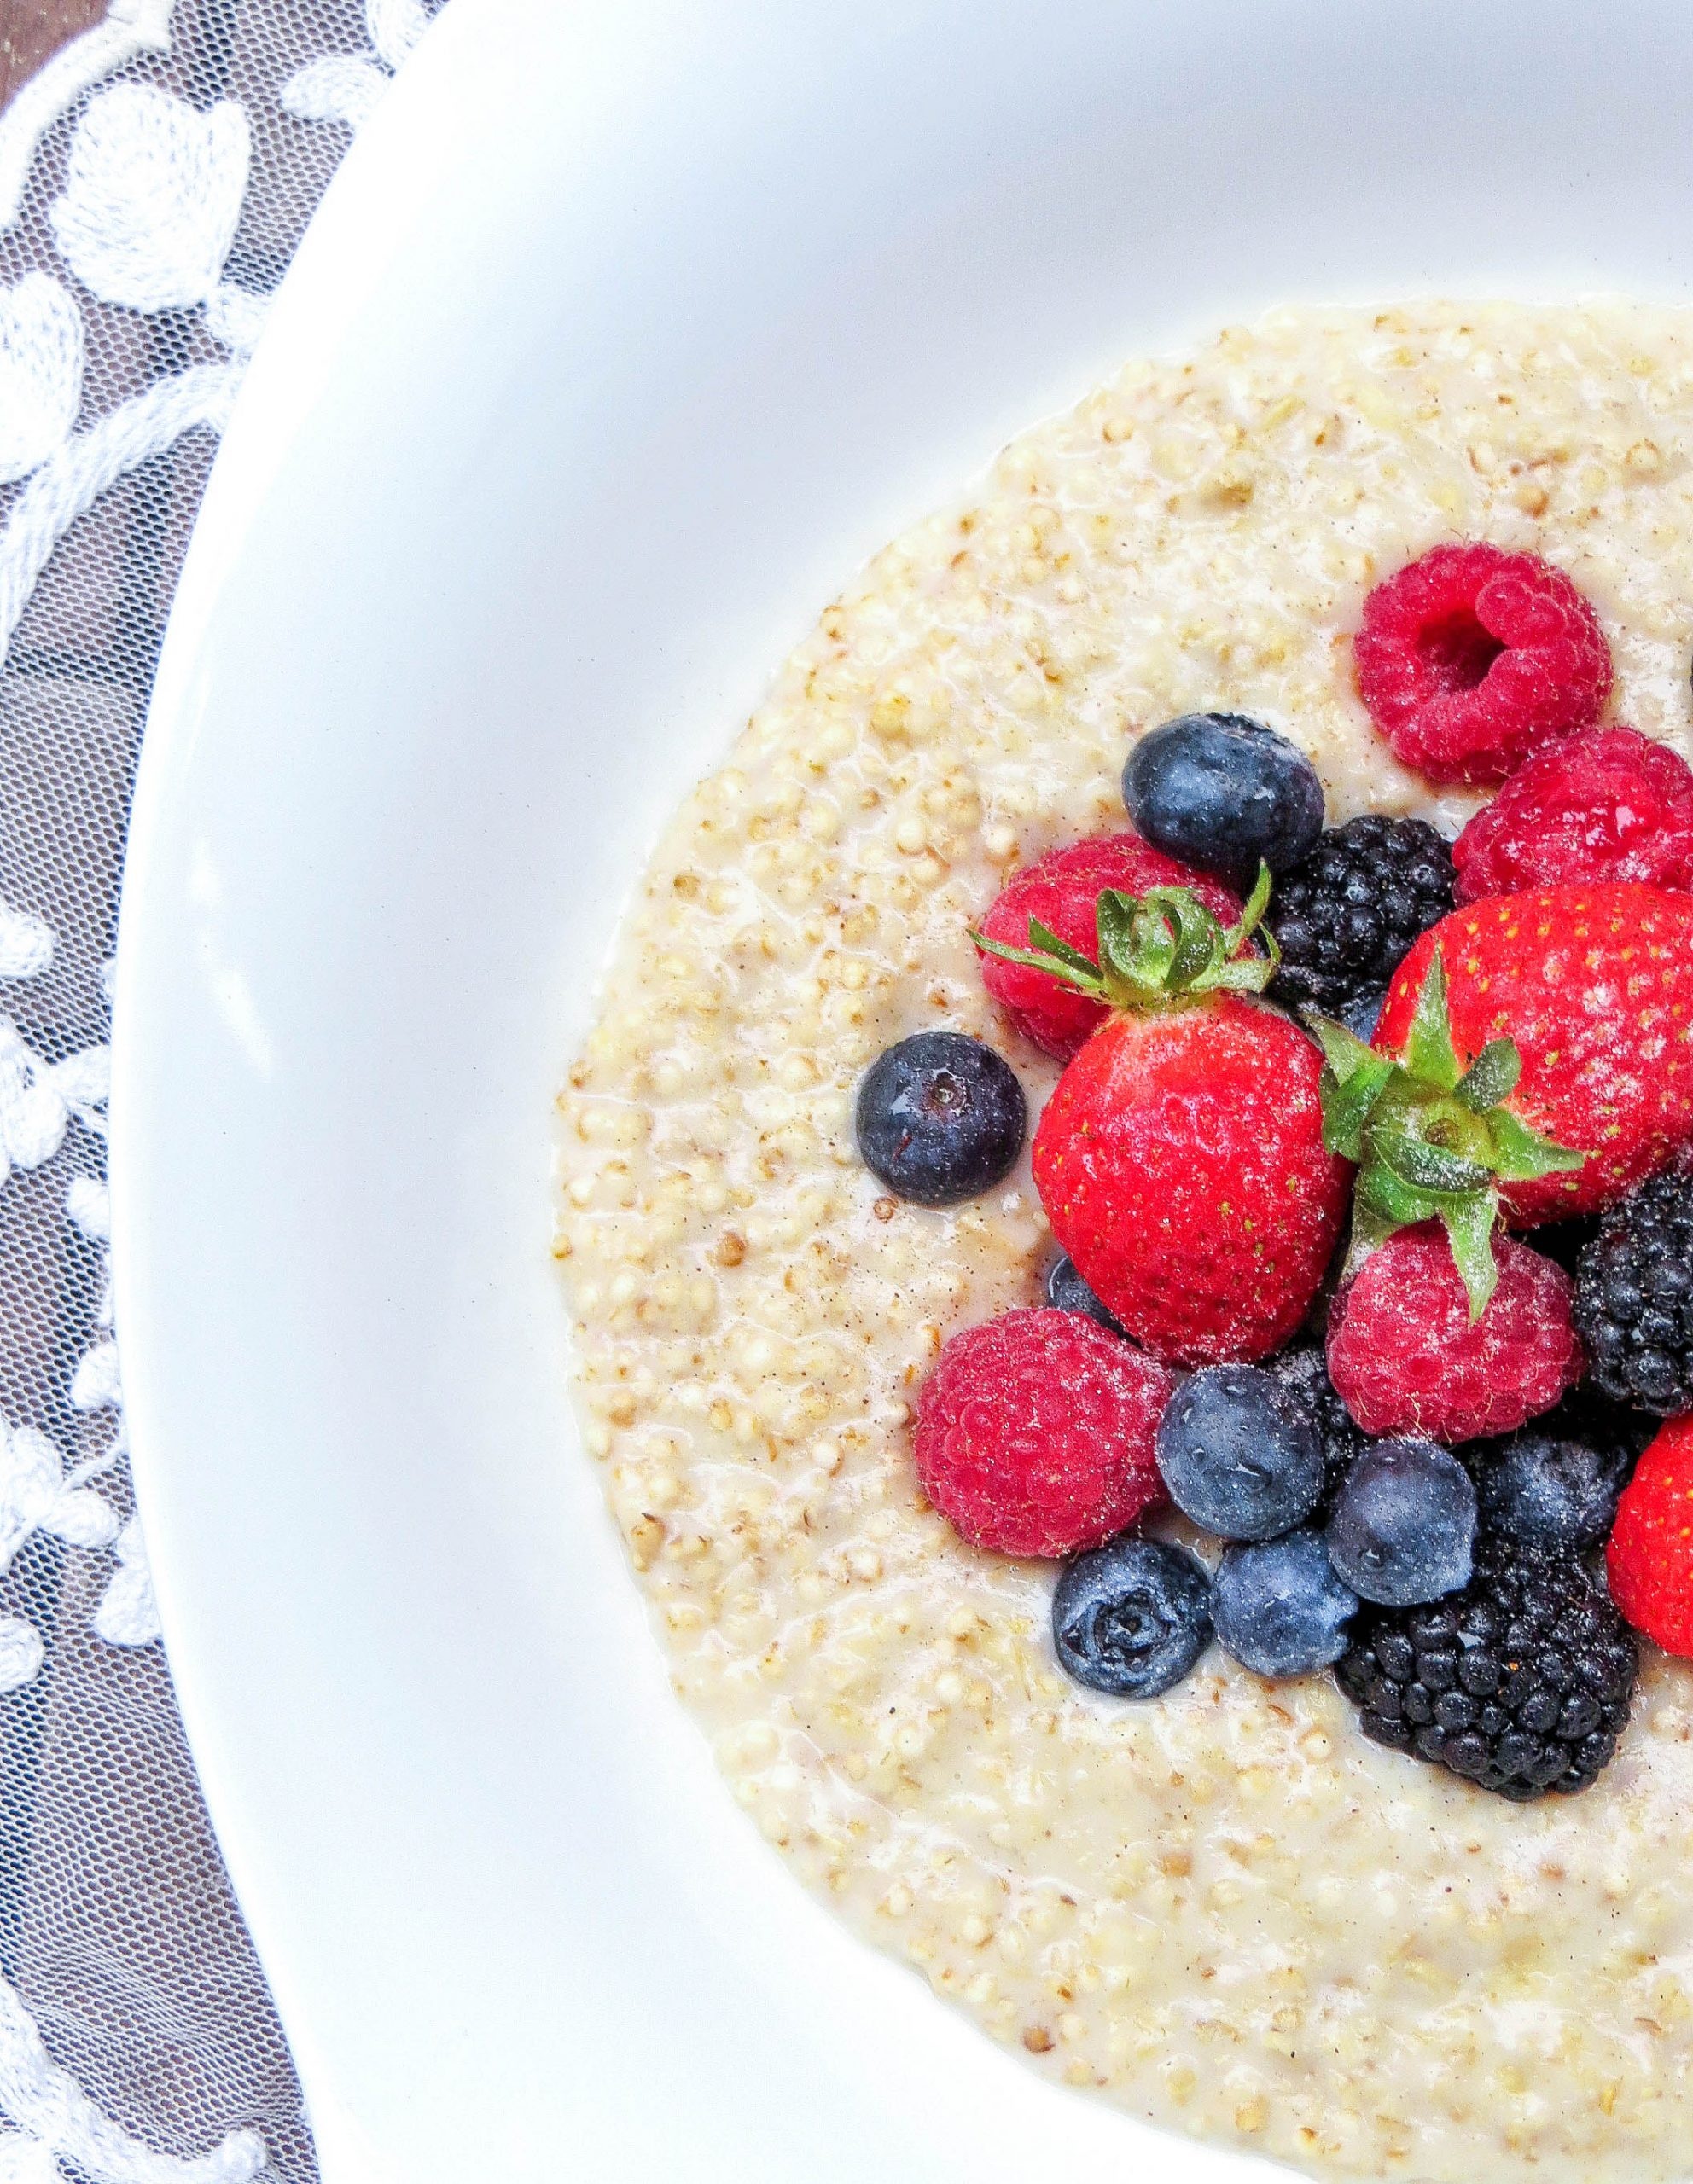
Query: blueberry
<point>940,1118</point>
<point>1238,1455</point>
<point>1403,1528</point>
<point>1066,1291</point>
<point>1543,1491</point>
<point>1362,1015</point>
<point>1222,792</point>
<point>1278,1606</point>
<point>1132,1617</point>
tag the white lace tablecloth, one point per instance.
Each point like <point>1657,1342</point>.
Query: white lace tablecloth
<point>155,176</point>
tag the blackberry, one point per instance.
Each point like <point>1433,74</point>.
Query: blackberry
<point>1304,1373</point>
<point>1634,1299</point>
<point>1520,1683</point>
<point>1347,914</point>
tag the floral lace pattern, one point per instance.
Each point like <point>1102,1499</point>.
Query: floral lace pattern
<point>154,176</point>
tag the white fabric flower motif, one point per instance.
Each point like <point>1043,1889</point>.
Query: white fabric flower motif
<point>26,943</point>
<point>128,1614</point>
<point>345,87</point>
<point>21,1653</point>
<point>36,1495</point>
<point>37,1099</point>
<point>94,1386</point>
<point>153,192</point>
<point>88,1203</point>
<point>40,375</point>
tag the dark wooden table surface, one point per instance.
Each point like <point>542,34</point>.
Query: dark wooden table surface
<point>30,29</point>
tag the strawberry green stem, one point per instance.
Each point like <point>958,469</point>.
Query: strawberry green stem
<point>1433,1141</point>
<point>1155,950</point>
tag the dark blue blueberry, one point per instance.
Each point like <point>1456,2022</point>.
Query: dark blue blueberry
<point>1222,792</point>
<point>1066,1291</point>
<point>1403,1528</point>
<point>1132,1617</point>
<point>1239,1455</point>
<point>1361,1016</point>
<point>940,1119</point>
<point>1278,1606</point>
<point>1543,1491</point>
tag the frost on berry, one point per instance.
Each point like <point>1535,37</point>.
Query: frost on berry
<point>1404,1356</point>
<point>1610,805</point>
<point>1034,1433</point>
<point>1472,658</point>
<point>1061,891</point>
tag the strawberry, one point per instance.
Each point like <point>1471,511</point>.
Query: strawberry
<point>1650,1560</point>
<point>1591,988</point>
<point>1180,1159</point>
<point>1062,890</point>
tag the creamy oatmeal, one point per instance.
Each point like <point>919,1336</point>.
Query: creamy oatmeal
<point>1224,1907</point>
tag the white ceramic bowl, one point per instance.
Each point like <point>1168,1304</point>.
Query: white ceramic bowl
<point>627,330</point>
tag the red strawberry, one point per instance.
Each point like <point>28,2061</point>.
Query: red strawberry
<point>1650,1560</point>
<point>1063,891</point>
<point>1612,806</point>
<point>1035,1433</point>
<point>1180,1159</point>
<point>1181,1163</point>
<point>1593,986</point>
<point>1406,1356</point>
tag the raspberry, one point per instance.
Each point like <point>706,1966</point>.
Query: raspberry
<point>1406,1359</point>
<point>1035,1433</point>
<point>1471,658</point>
<point>1062,890</point>
<point>1650,1557</point>
<point>1611,805</point>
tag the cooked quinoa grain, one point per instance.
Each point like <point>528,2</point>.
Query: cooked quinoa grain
<point>1225,1909</point>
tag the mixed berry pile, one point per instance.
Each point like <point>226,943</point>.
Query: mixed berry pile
<point>1371,1166</point>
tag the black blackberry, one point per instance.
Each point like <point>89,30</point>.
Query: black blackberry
<point>1522,1683</point>
<point>1634,1299</point>
<point>1347,914</point>
<point>1305,1374</point>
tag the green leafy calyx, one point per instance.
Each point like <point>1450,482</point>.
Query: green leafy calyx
<point>1432,1140</point>
<point>1155,950</point>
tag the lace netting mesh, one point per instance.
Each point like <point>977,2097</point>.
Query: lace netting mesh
<point>118,1929</point>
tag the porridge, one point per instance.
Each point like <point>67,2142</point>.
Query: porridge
<point>1223,1907</point>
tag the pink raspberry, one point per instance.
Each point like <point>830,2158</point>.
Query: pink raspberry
<point>1062,890</point>
<point>1404,1359</point>
<point>1034,1433</point>
<point>1472,658</point>
<point>1608,805</point>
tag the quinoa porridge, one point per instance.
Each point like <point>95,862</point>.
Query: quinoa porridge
<point>1226,1910</point>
